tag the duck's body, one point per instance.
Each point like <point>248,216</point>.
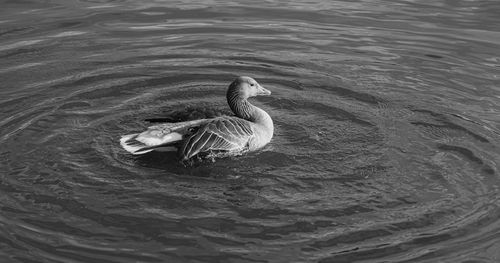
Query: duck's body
<point>251,128</point>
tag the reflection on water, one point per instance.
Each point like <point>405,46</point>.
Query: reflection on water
<point>385,149</point>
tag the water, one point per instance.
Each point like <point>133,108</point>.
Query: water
<point>386,144</point>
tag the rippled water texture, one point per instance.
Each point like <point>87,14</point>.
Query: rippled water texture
<point>386,144</point>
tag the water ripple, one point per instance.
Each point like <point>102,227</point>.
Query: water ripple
<point>385,149</point>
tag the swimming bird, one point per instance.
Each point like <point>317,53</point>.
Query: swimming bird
<point>251,129</point>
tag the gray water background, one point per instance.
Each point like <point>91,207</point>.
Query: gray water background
<point>386,144</point>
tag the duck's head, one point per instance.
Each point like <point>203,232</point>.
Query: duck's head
<point>246,87</point>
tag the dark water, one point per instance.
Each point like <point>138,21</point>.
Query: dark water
<point>386,148</point>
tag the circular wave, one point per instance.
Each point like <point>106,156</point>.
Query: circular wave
<point>367,163</point>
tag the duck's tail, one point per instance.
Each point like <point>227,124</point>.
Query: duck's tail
<point>141,143</point>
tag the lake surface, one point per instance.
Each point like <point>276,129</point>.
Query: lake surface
<point>386,147</point>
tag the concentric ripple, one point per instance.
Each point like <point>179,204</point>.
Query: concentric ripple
<point>385,148</point>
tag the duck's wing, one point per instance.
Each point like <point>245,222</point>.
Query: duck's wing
<point>162,135</point>
<point>224,134</point>
<point>177,126</point>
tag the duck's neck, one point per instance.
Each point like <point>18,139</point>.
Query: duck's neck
<point>245,110</point>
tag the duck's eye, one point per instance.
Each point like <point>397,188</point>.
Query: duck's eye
<point>252,84</point>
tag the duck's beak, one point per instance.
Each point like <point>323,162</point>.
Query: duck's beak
<point>262,91</point>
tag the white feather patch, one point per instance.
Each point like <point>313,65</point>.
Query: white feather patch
<point>133,149</point>
<point>152,139</point>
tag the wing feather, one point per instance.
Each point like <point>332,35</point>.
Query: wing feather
<point>221,134</point>
<point>239,128</point>
<point>203,142</point>
<point>175,126</point>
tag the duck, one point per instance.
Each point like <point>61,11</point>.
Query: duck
<point>249,130</point>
